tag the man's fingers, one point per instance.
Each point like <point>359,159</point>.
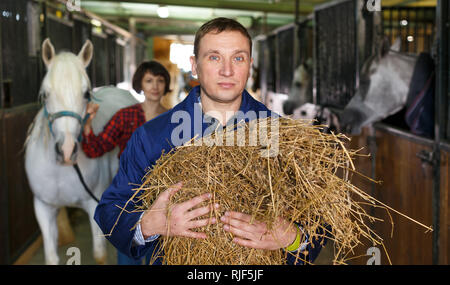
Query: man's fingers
<point>247,243</point>
<point>238,231</point>
<point>201,223</point>
<point>195,201</point>
<point>167,194</point>
<point>174,189</point>
<point>200,212</point>
<point>192,234</point>
<point>239,216</point>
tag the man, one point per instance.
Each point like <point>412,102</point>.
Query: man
<point>222,62</point>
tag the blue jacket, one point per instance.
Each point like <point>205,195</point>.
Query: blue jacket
<point>143,149</point>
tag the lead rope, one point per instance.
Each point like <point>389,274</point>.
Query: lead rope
<point>77,169</point>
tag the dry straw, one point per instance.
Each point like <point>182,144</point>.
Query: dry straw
<point>307,182</point>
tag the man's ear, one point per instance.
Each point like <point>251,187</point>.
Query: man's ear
<point>193,65</point>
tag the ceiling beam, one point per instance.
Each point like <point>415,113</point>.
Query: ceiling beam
<point>276,7</point>
<point>409,3</point>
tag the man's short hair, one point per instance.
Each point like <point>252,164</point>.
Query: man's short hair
<point>153,67</point>
<point>217,26</point>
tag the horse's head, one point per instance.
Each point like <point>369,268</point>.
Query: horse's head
<point>64,92</point>
<point>300,92</point>
<point>383,85</point>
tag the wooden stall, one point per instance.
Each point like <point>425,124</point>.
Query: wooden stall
<point>24,24</point>
<point>413,171</point>
<point>18,227</point>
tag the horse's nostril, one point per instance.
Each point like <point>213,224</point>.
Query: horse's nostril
<point>58,149</point>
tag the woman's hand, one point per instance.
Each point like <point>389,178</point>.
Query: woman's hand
<point>91,109</point>
<point>180,219</point>
<point>256,234</point>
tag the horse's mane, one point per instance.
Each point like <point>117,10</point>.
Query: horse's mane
<point>65,77</point>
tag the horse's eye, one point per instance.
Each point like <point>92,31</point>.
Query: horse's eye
<point>87,95</point>
<point>43,95</point>
<point>298,84</point>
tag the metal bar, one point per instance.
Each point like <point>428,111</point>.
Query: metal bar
<point>403,134</point>
<point>416,31</point>
<point>442,18</point>
<point>444,146</point>
<point>408,32</point>
<point>356,86</point>
<point>391,23</point>
<point>4,251</point>
<point>274,7</point>
<point>2,94</point>
<point>315,40</point>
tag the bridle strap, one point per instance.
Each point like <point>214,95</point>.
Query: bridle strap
<point>51,117</point>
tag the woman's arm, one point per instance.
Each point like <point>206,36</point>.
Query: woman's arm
<point>95,146</point>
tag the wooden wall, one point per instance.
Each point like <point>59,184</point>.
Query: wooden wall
<point>407,186</point>
<point>18,225</point>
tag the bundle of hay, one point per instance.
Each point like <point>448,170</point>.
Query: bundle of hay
<point>295,171</point>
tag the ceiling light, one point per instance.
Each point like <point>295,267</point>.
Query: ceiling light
<point>96,23</point>
<point>163,11</point>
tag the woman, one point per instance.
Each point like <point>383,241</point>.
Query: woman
<point>150,78</point>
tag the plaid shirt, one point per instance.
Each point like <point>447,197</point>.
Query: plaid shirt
<point>117,132</point>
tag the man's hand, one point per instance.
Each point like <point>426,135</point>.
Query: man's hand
<point>180,219</point>
<point>256,234</point>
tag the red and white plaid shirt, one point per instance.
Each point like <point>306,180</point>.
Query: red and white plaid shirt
<point>117,132</point>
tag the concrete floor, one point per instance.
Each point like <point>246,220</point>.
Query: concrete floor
<point>83,241</point>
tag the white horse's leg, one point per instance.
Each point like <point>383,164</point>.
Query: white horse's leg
<point>98,240</point>
<point>46,217</point>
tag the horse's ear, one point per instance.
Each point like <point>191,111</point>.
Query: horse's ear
<point>385,46</point>
<point>396,46</point>
<point>48,51</point>
<point>86,53</point>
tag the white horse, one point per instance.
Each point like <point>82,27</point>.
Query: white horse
<point>383,91</point>
<point>52,147</point>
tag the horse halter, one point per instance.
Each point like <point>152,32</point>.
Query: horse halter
<point>51,117</point>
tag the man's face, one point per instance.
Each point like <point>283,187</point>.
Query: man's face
<point>222,65</point>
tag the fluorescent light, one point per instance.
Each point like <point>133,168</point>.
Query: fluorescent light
<point>162,11</point>
<point>96,23</point>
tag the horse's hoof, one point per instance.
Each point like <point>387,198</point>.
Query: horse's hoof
<point>101,260</point>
